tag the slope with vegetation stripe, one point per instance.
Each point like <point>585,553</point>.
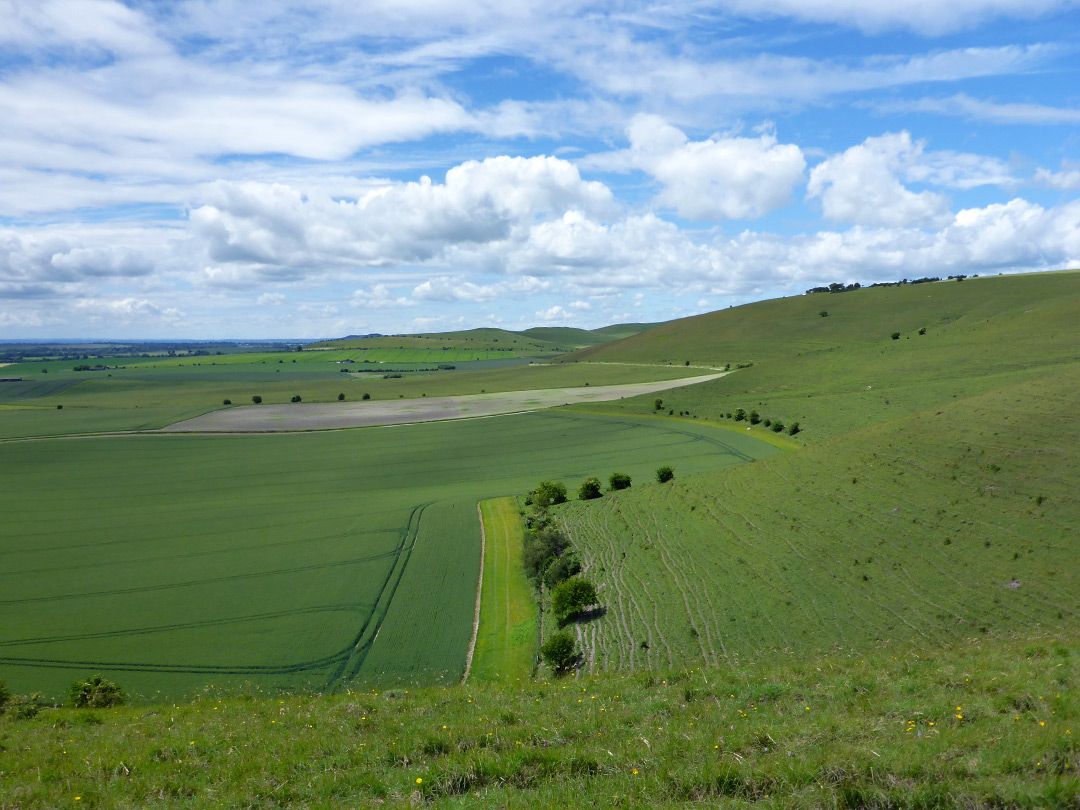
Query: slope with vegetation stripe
<point>933,501</point>
<point>836,373</point>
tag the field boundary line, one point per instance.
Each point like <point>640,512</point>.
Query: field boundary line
<point>479,591</point>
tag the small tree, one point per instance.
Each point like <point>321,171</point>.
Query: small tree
<point>256,399</point>
<point>95,693</point>
<point>793,429</point>
<point>589,489</point>
<point>226,402</point>
<point>824,313</point>
<point>340,397</point>
<point>740,414</point>
<point>620,481</point>
<point>296,398</point>
<point>366,397</point>
<point>658,404</point>
<point>561,568</point>
<point>550,492</point>
<point>664,473</point>
<point>558,651</point>
<point>754,417</point>
<point>5,695</point>
<point>778,427</point>
<point>895,335</point>
<point>572,596</point>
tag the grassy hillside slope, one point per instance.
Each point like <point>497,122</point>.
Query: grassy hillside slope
<point>953,522</point>
<point>844,371</point>
<point>990,723</point>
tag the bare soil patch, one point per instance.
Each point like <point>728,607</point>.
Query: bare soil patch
<point>331,415</point>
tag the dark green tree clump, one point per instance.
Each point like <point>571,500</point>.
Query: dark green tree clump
<point>664,473</point>
<point>541,548</point>
<point>256,399</point>
<point>620,481</point>
<point>340,397</point>
<point>95,693</point>
<point>561,568</point>
<point>755,417</point>
<point>558,651</point>
<point>226,402</point>
<point>366,396</point>
<point>5,695</point>
<point>740,415</point>
<point>658,404</point>
<point>589,489</point>
<point>895,335</point>
<point>549,493</point>
<point>572,596</point>
<point>777,427</point>
<point>793,429</point>
<point>296,398</point>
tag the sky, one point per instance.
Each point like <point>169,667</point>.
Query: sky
<point>210,169</point>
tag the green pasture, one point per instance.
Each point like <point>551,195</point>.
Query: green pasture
<point>955,522</point>
<point>843,372</point>
<point>506,642</point>
<point>149,398</point>
<point>169,562</point>
<point>984,724</point>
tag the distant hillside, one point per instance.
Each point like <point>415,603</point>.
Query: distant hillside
<point>843,370</point>
<point>537,340</point>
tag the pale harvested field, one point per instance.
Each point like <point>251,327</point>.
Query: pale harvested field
<point>331,415</point>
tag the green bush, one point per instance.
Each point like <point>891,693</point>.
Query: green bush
<point>548,493</point>
<point>540,549</point>
<point>366,396</point>
<point>226,402</point>
<point>340,397</point>
<point>895,336</point>
<point>256,399</point>
<point>5,695</point>
<point>95,693</point>
<point>589,489</point>
<point>620,481</point>
<point>296,398</point>
<point>560,569</point>
<point>777,427</point>
<point>793,429</point>
<point>754,418</point>
<point>664,473</point>
<point>558,651</point>
<point>658,404</point>
<point>571,596</point>
<point>740,414</point>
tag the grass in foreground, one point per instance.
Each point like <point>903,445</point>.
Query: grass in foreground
<point>507,639</point>
<point>990,723</point>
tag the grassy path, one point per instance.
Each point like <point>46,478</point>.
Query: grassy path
<point>506,639</point>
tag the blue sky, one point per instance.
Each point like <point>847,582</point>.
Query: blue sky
<point>219,168</point>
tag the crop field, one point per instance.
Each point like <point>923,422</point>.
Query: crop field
<point>148,398</point>
<point>168,562</point>
<point>952,523</point>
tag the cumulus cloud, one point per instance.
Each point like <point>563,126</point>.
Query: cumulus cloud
<point>860,185</point>
<point>126,310</point>
<point>555,314</point>
<point>1068,179</point>
<point>275,228</point>
<point>271,300</point>
<point>378,297</point>
<point>715,179</point>
<point>456,288</point>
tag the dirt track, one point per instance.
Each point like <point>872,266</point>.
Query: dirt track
<point>330,415</point>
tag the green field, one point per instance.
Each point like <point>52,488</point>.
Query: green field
<point>984,725</point>
<point>954,522</point>
<point>146,398</point>
<point>169,562</point>
<point>506,642</point>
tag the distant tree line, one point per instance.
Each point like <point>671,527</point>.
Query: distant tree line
<point>836,287</point>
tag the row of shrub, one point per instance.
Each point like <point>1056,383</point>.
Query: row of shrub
<point>754,418</point>
<point>94,693</point>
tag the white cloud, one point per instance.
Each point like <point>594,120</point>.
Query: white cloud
<point>1068,179</point>
<point>276,231</point>
<point>860,185</point>
<point>378,297</point>
<point>555,314</point>
<point>456,288</point>
<point>924,16</point>
<point>965,106</point>
<point>126,310</point>
<point>271,299</point>
<point>715,179</point>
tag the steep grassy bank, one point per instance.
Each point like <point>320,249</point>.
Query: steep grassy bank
<point>951,522</point>
<point>986,723</point>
